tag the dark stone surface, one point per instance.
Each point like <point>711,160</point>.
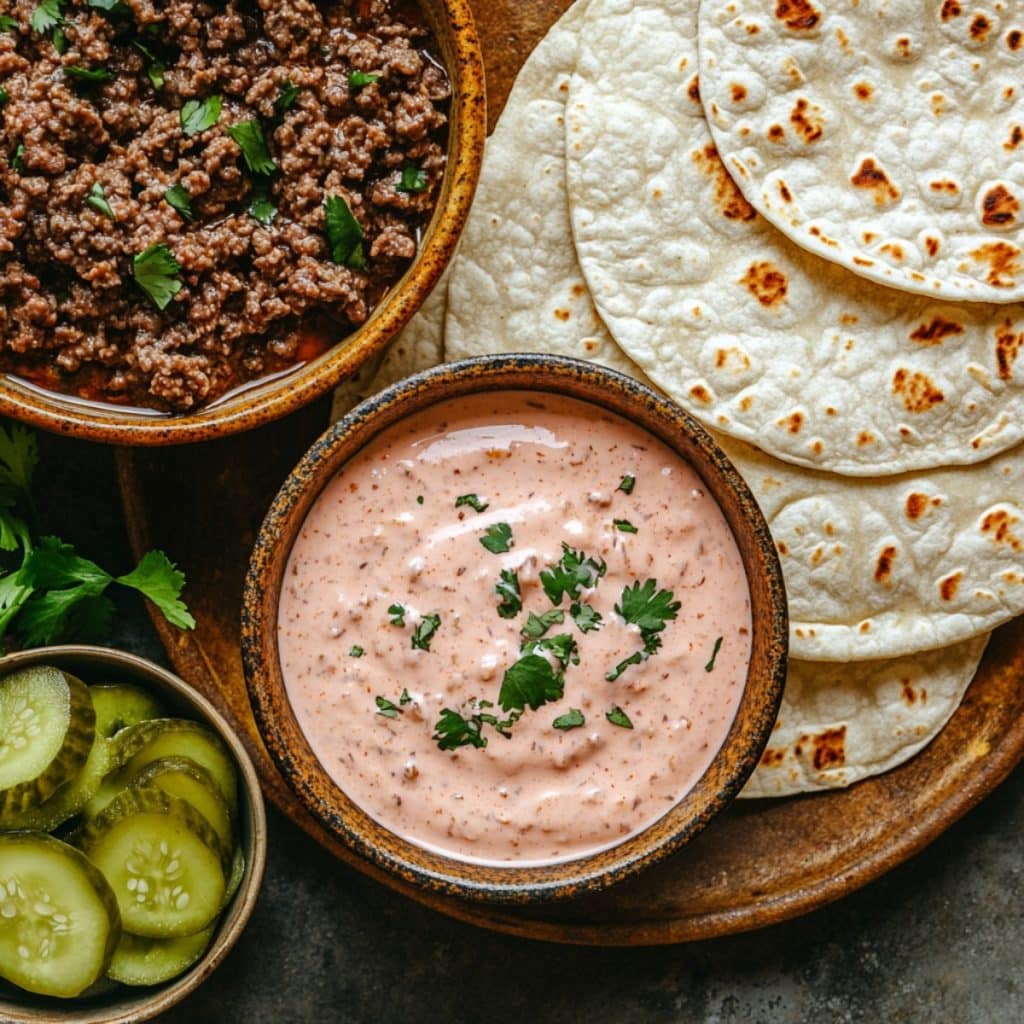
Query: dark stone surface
<point>938,939</point>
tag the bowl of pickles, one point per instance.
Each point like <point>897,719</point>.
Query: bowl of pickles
<point>132,837</point>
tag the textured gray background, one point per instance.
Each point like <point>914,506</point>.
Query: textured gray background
<point>940,939</point>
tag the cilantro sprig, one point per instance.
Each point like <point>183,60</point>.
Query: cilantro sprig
<point>497,538</point>
<point>574,572</point>
<point>424,632</point>
<point>155,270</point>
<point>507,588</point>
<point>248,135</point>
<point>537,625</point>
<point>200,115</point>
<point>474,501</point>
<point>49,14</point>
<point>97,199</point>
<point>345,234</point>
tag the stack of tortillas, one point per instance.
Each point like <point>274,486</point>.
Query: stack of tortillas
<point>802,222</point>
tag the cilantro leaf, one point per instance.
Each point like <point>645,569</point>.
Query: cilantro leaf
<point>647,607</point>
<point>624,525</point>
<point>355,651</point>
<point>178,199</point>
<point>155,67</point>
<point>452,730</point>
<point>473,501</point>
<point>262,208</point>
<point>397,613</point>
<point>537,625</point>
<point>47,15</point>
<point>7,23</point>
<point>344,233</point>
<point>507,589</point>
<point>116,7</point>
<point>573,572</point>
<point>562,646</point>
<point>54,564</point>
<point>710,666</point>
<point>634,659</point>
<point>424,632</point>
<point>386,708</point>
<point>573,719</point>
<point>19,456</point>
<point>60,41</point>
<point>199,115</point>
<point>249,137</point>
<point>414,179</point>
<point>357,79</point>
<point>157,578</point>
<point>586,618</point>
<point>626,484</point>
<point>4,95</point>
<point>618,717</point>
<point>89,74</point>
<point>97,199</point>
<point>530,682</point>
<point>16,159</point>
<point>154,270</point>
<point>286,97</point>
<point>404,698</point>
<point>497,538</point>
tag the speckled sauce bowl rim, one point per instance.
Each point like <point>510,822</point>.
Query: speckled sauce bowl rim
<point>454,28</point>
<point>125,1004</point>
<point>290,749</point>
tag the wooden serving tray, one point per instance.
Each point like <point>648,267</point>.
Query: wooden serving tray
<point>760,863</point>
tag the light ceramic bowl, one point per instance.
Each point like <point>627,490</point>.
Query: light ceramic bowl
<point>325,799</point>
<point>123,1004</point>
<point>452,23</point>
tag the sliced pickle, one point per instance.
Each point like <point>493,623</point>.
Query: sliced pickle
<point>119,706</point>
<point>236,876</point>
<point>162,859</point>
<point>59,921</point>
<point>47,725</point>
<point>142,961</point>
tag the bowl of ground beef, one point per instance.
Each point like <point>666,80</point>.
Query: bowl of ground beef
<point>213,211</point>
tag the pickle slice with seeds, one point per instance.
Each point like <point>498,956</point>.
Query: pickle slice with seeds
<point>142,961</point>
<point>59,922</point>
<point>119,706</point>
<point>47,725</point>
<point>162,859</point>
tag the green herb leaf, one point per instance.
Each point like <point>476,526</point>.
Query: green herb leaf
<point>16,159</point>
<point>624,525</point>
<point>286,97</point>
<point>97,199</point>
<point>507,589</point>
<point>344,233</point>
<point>4,95</point>
<point>573,719</point>
<point>355,651</point>
<point>419,499</point>
<point>587,619</point>
<point>60,41</point>
<point>19,456</point>
<point>710,666</point>
<point>414,179</point>
<point>626,484</point>
<point>634,659</point>
<point>537,625</point>
<point>111,7</point>
<point>155,67</point>
<point>497,538</point>
<point>199,115</point>
<point>249,136</point>
<point>7,23</point>
<point>386,709</point>
<point>618,717</point>
<point>397,613</point>
<point>405,698</point>
<point>574,571</point>
<point>647,607</point>
<point>178,198</point>
<point>473,501</point>
<point>452,730</point>
<point>262,208</point>
<point>46,16</point>
<point>357,79</point>
<point>530,682</point>
<point>88,74</point>
<point>562,646</point>
<point>424,632</point>
<point>154,269</point>
<point>159,579</point>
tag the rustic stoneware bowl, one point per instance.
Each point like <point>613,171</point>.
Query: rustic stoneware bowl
<point>329,804</point>
<point>452,23</point>
<point>122,1004</point>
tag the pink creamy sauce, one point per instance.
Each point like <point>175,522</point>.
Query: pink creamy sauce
<point>386,530</point>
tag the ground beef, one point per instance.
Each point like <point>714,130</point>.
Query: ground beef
<point>257,296</point>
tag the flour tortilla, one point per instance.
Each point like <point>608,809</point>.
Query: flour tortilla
<point>842,723</point>
<point>752,334</point>
<point>885,135</point>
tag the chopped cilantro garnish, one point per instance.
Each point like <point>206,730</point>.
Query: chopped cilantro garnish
<point>89,74</point>
<point>386,709</point>
<point>507,588</point>
<point>4,96</point>
<point>710,666</point>
<point>97,199</point>
<point>397,613</point>
<point>286,97</point>
<point>357,79</point>
<point>249,137</point>
<point>178,198</point>
<point>405,698</point>
<point>452,730</point>
<point>155,67</point>
<point>627,484</point>
<point>537,625</point>
<point>424,632</point>
<point>530,682</point>
<point>355,651</point>
<point>344,233</point>
<point>47,15</point>
<point>111,6</point>
<point>16,159</point>
<point>199,115</point>
<point>624,525</point>
<point>60,41</point>
<point>7,23</point>
<point>419,499</point>
<point>473,501</point>
<point>154,270</point>
<point>497,538</point>
<point>618,717</point>
<point>562,646</point>
<point>586,618</point>
<point>261,205</point>
<point>573,572</point>
<point>573,719</point>
<point>647,607</point>
<point>414,179</point>
<point>634,659</point>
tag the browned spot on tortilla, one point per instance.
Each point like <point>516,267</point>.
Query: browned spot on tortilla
<point>903,45</point>
<point>783,547</point>
<point>807,120</point>
<point>738,92</point>
<point>1014,38</point>
<point>798,749</point>
<point>797,15</point>
<point>830,530</point>
<point>999,207</point>
<point>745,403</point>
<point>1012,577</point>
<point>591,345</point>
<point>1008,93</point>
<point>1008,345</point>
<point>1016,137</point>
<point>693,89</point>
<point>776,133</point>
<point>793,422</point>
<point>916,389</point>
<point>865,438</point>
<point>894,250</point>
<point>753,29</point>
<point>949,585</point>
<point>741,357</point>
<point>830,749</point>
<point>883,567</point>
<point>908,691</point>
<point>870,177</point>
<point>905,431</point>
<point>578,290</point>
<point>869,237</point>
<point>863,91</point>
<point>849,319</point>
<point>861,262</point>
<point>728,197</point>
<point>785,193</point>
<point>917,505</point>
<point>950,9</point>
<point>1000,525</point>
<point>935,330</point>
<point>766,283</point>
<point>864,627</point>
<point>562,314</point>
<point>932,245</point>
<point>944,185</point>
<point>980,28</point>
<point>830,411</point>
<point>772,757</point>
<point>701,394</point>
<point>817,555</point>
<point>1001,258</point>
<point>938,104</point>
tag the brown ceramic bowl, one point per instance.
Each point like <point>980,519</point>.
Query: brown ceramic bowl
<point>122,1004</point>
<point>291,751</point>
<point>452,23</point>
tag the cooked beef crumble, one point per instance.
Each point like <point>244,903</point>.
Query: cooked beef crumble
<point>93,135</point>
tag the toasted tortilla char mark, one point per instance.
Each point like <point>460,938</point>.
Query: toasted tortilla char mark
<point>894,250</point>
<point>1014,38</point>
<point>562,314</point>
<point>1016,137</point>
<point>999,207</point>
<point>932,245</point>
<point>870,177</point>
<point>793,422</point>
<point>949,585</point>
<point>787,196</point>
<point>702,394</point>
<point>738,92</point>
<point>829,748</point>
<point>693,89</point>
<point>999,526</point>
<point>776,133</point>
<point>1001,258</point>
<point>865,438</point>
<point>797,15</point>
<point>909,694</point>
<point>728,198</point>
<point>916,389</point>
<point>766,283</point>
<point>933,332</point>
<point>980,28</point>
<point>950,9</point>
<point>1008,345</point>
<point>883,567</point>
<point>863,91</point>
<point>807,120</point>
<point>944,185</point>
<point>917,505</point>
<point>773,757</point>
